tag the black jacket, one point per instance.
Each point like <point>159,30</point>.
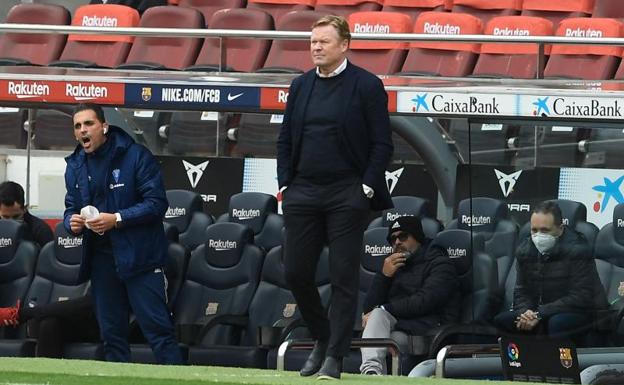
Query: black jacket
<point>421,295</point>
<point>563,280</point>
<point>40,232</point>
<point>365,133</point>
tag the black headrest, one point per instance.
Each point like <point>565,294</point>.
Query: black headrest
<point>406,206</point>
<point>182,205</point>
<point>171,232</point>
<point>618,223</point>
<point>226,242</point>
<point>251,209</point>
<point>572,212</point>
<point>11,233</point>
<point>486,212</point>
<point>375,249</point>
<point>459,247</point>
<point>67,247</point>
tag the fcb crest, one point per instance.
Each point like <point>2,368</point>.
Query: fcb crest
<point>289,310</point>
<point>565,356</point>
<point>621,289</point>
<point>146,93</point>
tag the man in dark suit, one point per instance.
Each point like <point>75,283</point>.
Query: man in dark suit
<point>333,149</point>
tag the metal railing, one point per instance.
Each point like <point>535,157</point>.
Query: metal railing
<point>540,41</point>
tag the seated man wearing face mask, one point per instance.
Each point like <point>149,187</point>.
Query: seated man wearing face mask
<point>557,286</point>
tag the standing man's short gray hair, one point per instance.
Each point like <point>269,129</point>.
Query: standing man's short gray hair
<point>338,22</point>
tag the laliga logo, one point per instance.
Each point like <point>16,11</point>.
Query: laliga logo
<point>392,178</point>
<point>514,354</point>
<point>377,251</point>
<point>175,212</point>
<point>194,172</point>
<point>4,242</point>
<point>507,181</point>
<point>69,242</point>
<point>221,245</point>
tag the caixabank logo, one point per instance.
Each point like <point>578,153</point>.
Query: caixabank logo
<point>456,103</point>
<point>577,107</point>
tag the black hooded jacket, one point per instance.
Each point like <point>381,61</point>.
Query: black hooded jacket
<point>562,280</point>
<point>422,294</point>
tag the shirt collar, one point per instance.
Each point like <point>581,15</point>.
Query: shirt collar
<point>335,72</point>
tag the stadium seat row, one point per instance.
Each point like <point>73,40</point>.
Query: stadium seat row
<point>382,57</point>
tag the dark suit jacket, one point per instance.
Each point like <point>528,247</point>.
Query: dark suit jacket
<point>365,133</point>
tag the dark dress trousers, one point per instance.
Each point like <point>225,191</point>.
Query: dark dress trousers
<point>335,137</point>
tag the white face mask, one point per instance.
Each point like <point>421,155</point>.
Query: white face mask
<point>543,242</point>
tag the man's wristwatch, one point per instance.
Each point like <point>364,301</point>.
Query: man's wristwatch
<point>117,220</point>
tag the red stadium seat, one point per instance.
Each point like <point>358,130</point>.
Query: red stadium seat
<point>557,10</point>
<point>379,57</point>
<point>291,56</point>
<point>589,62</point>
<point>210,7</point>
<point>243,55</point>
<point>99,50</point>
<point>487,9</point>
<point>413,8</point>
<point>165,52</point>
<point>443,59</point>
<point>27,48</point>
<point>346,7</point>
<point>278,8</point>
<point>512,60</point>
<point>608,8</point>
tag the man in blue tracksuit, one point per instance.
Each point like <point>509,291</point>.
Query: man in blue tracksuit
<point>124,247</point>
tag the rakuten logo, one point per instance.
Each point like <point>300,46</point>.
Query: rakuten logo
<point>475,220</point>
<point>175,212</point>
<point>5,242</point>
<point>69,242</point>
<point>511,32</point>
<point>96,21</point>
<point>377,251</point>
<point>441,29</point>
<point>28,90</point>
<point>83,92</point>
<point>456,252</point>
<point>221,245</point>
<point>578,32</point>
<point>371,28</point>
<point>245,214</point>
<point>282,96</point>
<point>620,222</point>
<point>390,217</point>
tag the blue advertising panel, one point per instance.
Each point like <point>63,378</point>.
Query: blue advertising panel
<point>192,97</point>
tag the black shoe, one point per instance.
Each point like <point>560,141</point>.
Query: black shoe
<point>315,359</point>
<point>331,369</point>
